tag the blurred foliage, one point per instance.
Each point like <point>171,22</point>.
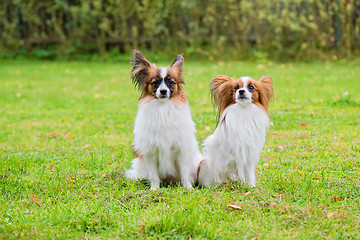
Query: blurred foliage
<point>283,29</point>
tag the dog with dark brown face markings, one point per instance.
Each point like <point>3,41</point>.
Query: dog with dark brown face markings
<point>164,134</point>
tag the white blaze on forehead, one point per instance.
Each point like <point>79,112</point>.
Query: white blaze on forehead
<point>163,72</point>
<point>245,80</point>
<point>163,85</point>
<point>246,93</point>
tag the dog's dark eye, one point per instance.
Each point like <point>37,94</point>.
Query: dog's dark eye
<point>154,81</point>
<point>251,87</point>
<point>236,87</point>
<point>171,82</point>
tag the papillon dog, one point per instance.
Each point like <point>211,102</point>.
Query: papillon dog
<point>233,150</point>
<point>164,144</point>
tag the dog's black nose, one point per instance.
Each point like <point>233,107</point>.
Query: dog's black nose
<point>163,92</point>
<point>241,92</point>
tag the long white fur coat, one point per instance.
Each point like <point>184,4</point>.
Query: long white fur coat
<point>233,150</point>
<point>165,137</point>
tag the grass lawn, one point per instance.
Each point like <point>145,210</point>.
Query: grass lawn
<point>66,134</point>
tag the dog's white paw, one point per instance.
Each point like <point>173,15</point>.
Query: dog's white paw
<point>153,187</point>
<point>131,174</point>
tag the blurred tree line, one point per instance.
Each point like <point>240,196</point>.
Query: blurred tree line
<point>283,29</point>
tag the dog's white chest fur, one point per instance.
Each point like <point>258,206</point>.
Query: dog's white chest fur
<point>242,126</point>
<point>165,137</point>
<point>234,149</point>
<point>162,125</point>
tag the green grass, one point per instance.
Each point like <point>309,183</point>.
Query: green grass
<point>66,134</point>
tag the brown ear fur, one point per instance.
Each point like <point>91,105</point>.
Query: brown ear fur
<point>221,89</point>
<point>177,66</point>
<point>140,69</point>
<point>266,90</point>
<point>178,62</point>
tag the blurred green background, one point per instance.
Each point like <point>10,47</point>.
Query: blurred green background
<point>238,29</point>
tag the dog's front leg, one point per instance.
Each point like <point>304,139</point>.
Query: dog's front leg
<point>240,171</point>
<point>185,166</point>
<point>152,165</point>
<point>250,174</point>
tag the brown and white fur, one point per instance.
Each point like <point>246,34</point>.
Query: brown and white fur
<point>233,150</point>
<point>164,133</point>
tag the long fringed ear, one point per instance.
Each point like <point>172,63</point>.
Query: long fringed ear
<point>140,68</point>
<point>266,90</point>
<point>177,65</point>
<point>178,62</point>
<point>221,89</point>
